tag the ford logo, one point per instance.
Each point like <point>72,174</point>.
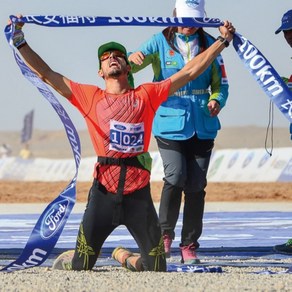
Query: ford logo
<point>54,219</point>
<point>120,127</point>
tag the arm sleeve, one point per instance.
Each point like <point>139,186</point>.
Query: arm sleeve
<point>288,81</point>
<point>219,82</point>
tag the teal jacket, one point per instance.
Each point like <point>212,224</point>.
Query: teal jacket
<point>185,113</point>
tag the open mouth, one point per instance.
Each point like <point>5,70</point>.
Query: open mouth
<point>113,63</point>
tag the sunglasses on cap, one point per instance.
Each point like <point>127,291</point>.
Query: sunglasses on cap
<point>115,53</point>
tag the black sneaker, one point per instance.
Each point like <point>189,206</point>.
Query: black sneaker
<point>285,248</point>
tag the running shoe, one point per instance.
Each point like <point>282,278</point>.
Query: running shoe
<point>188,255</point>
<point>285,248</point>
<point>128,259</point>
<point>64,261</point>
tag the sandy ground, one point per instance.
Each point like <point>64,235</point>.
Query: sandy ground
<point>40,192</point>
<point>112,279</point>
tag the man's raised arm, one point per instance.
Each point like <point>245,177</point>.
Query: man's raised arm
<point>57,81</point>
<point>201,62</point>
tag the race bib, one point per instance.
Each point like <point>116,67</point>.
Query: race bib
<point>126,137</point>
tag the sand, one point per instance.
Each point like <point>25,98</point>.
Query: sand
<point>40,192</point>
<point>112,279</point>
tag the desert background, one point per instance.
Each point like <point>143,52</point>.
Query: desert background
<point>54,144</point>
<point>111,278</point>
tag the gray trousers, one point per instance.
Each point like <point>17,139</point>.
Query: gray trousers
<point>185,167</point>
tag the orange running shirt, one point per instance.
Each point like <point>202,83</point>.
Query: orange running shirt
<point>120,126</point>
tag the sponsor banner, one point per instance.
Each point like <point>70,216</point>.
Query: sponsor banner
<point>286,174</point>
<point>157,173</point>
<point>265,75</point>
<point>49,226</point>
<point>229,165</point>
<point>75,21</point>
<point>248,165</point>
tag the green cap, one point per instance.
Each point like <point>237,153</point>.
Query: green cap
<point>109,47</point>
<point>115,46</point>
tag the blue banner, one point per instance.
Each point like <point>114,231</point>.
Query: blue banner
<point>193,269</point>
<point>265,75</point>
<point>49,226</point>
<point>64,21</point>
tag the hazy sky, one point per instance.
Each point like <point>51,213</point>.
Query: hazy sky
<point>72,52</point>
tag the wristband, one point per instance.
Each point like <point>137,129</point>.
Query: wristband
<point>223,41</point>
<point>21,45</point>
